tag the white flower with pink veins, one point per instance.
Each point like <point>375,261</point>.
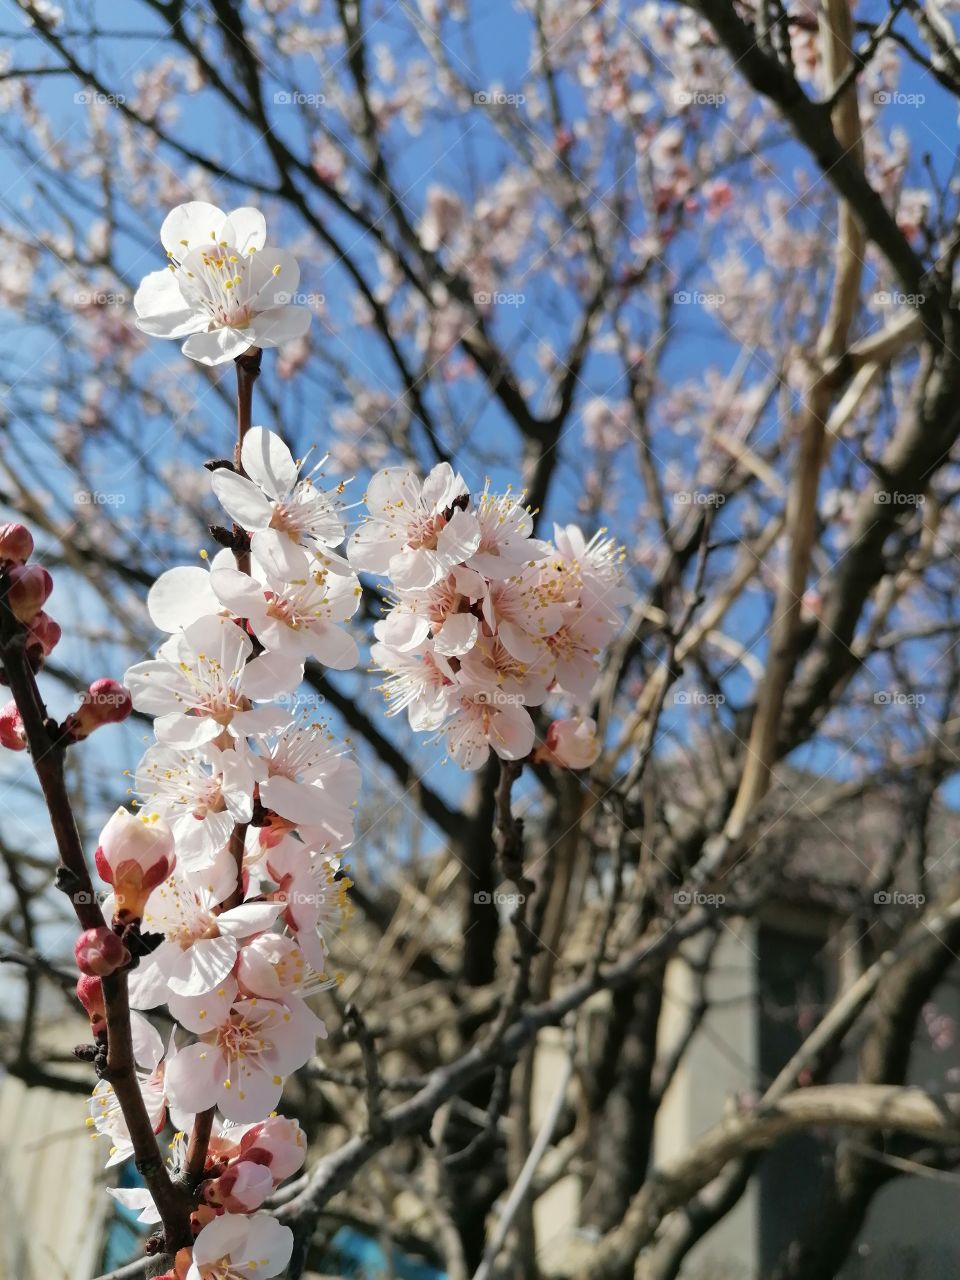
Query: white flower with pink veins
<point>482,720</point>
<point>225,289</point>
<point>246,1046</point>
<point>308,780</point>
<point>201,685</point>
<point>202,794</point>
<point>314,896</point>
<point>597,565</point>
<point>415,533</point>
<point>299,618</point>
<point>200,946</point>
<point>106,1116</point>
<point>282,512</point>
<point>506,546</point>
<point>443,613</point>
<point>420,683</point>
<point>236,1246</point>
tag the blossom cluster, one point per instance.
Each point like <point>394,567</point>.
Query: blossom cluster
<point>226,877</point>
<point>485,622</point>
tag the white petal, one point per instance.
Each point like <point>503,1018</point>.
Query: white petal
<point>270,675</point>
<point>219,345</point>
<point>279,325</point>
<point>207,962</point>
<point>193,1078</point>
<point>512,733</point>
<point>458,635</point>
<point>180,596</point>
<point>191,225</point>
<point>334,647</point>
<point>268,462</point>
<point>161,308</point>
<point>146,1039</point>
<point>241,499</point>
<point>280,555</point>
<point>459,537</point>
<point>245,229</point>
<point>248,918</point>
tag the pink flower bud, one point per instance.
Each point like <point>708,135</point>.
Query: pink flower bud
<point>241,1188</point>
<point>30,587</point>
<point>277,1143</point>
<point>43,636</point>
<point>135,854</point>
<point>100,952</point>
<point>16,543</point>
<point>12,734</point>
<point>105,702</point>
<point>572,744</point>
<point>90,995</point>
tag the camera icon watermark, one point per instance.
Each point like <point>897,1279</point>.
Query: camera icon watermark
<point>893,97</point>
<point>484,899</point>
<point>294,98</point>
<point>98,498</point>
<point>696,498</point>
<point>498,299</point>
<point>894,498</point>
<point>300,299</point>
<point>90,97</point>
<point>697,698</point>
<point>99,298</point>
<point>497,98</point>
<point>895,298</point>
<point>895,898</point>
<point>698,98</point>
<point>895,698</point>
<point>693,898</point>
<point>688,298</point>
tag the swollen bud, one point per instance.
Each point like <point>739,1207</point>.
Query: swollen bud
<point>12,733</point>
<point>90,995</point>
<point>572,744</point>
<point>241,1188</point>
<point>29,590</point>
<point>100,952</point>
<point>43,636</point>
<point>16,544</point>
<point>105,702</point>
<point>134,855</point>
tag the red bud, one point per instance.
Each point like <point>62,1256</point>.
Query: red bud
<point>30,587</point>
<point>12,734</point>
<point>105,702</point>
<point>100,952</point>
<point>16,543</point>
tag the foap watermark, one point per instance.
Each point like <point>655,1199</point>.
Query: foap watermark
<point>484,899</point>
<point>300,299</point>
<point>896,698</point>
<point>694,898</point>
<point>896,898</point>
<point>895,498</point>
<point>497,98</point>
<point>894,298</point>
<point>90,97</point>
<point>300,704</point>
<point>696,498</point>
<point>99,298</point>
<point>499,299</point>
<point>698,98</point>
<point>687,298</point>
<point>500,698</point>
<point>697,698</point>
<point>99,498</point>
<point>894,98</point>
<point>294,98</point>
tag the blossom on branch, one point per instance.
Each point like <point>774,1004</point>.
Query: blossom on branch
<point>225,289</point>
